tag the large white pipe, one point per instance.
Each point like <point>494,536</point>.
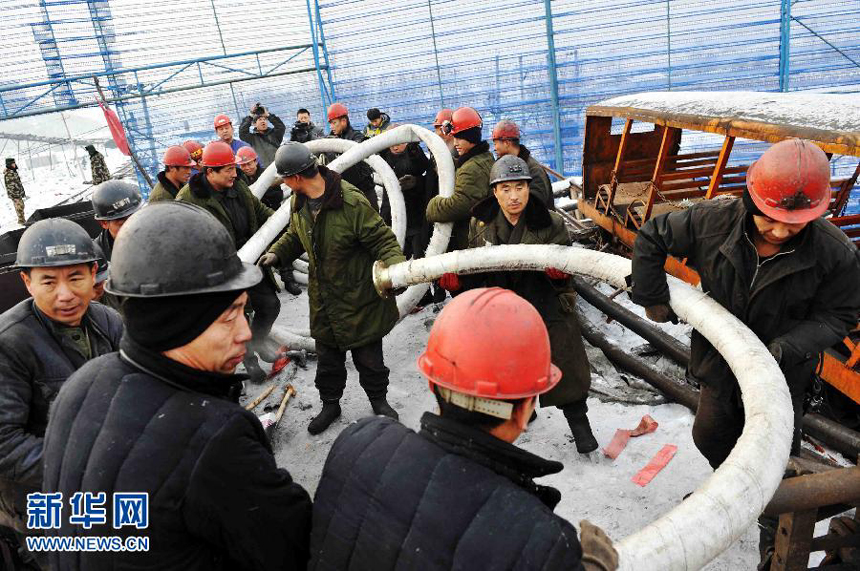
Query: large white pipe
<point>301,265</point>
<point>723,508</point>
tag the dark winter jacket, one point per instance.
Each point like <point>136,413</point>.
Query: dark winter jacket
<point>805,298</point>
<point>412,162</point>
<point>540,185</point>
<point>449,497</point>
<point>265,143</point>
<point>35,362</point>
<point>342,244</point>
<point>471,185</point>
<point>136,421</point>
<point>371,131</point>
<point>555,300</point>
<point>163,190</point>
<point>105,242</point>
<point>360,175</point>
<point>304,132</point>
<point>14,187</point>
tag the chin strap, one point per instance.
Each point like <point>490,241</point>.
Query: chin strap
<point>492,407</point>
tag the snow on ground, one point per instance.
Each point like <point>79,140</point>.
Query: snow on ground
<point>593,487</point>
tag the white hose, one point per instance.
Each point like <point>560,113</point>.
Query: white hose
<point>301,265</point>
<point>723,508</point>
<point>292,340</point>
<point>300,278</point>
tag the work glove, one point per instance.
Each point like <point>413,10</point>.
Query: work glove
<point>661,313</point>
<point>268,259</point>
<point>556,274</point>
<point>450,282</point>
<point>408,182</point>
<point>598,554</point>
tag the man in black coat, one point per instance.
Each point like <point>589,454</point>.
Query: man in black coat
<point>113,202</point>
<point>43,340</point>
<point>359,175</point>
<point>264,140</point>
<point>409,164</point>
<point>304,129</point>
<point>161,416</point>
<point>774,263</point>
<point>458,494</point>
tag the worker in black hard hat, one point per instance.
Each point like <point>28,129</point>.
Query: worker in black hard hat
<point>43,340</point>
<point>113,202</point>
<point>167,406</point>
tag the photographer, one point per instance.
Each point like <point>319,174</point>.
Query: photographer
<point>304,129</point>
<point>264,140</point>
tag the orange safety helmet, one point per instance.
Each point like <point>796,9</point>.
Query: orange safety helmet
<point>221,120</point>
<point>337,110</point>
<point>489,344</point>
<point>442,116</point>
<point>465,118</point>
<point>506,129</point>
<point>177,156</point>
<point>791,182</point>
<point>245,155</point>
<point>217,154</point>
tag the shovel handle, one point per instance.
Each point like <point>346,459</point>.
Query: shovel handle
<point>288,392</point>
<point>253,404</point>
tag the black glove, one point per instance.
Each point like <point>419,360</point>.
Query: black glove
<point>408,182</point>
<point>661,313</point>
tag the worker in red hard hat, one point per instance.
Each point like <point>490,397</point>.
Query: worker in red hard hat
<point>218,189</point>
<point>224,131</point>
<point>195,149</point>
<point>472,178</point>
<point>512,216</point>
<point>506,141</point>
<point>459,494</point>
<point>178,165</point>
<point>360,175</point>
<point>772,261</point>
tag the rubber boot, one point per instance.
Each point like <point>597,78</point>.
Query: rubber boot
<point>252,367</point>
<point>290,284</point>
<point>381,407</point>
<point>580,428</point>
<point>329,413</point>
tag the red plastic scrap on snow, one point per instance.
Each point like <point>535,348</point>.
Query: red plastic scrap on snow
<point>619,441</point>
<point>281,362</point>
<point>657,463</point>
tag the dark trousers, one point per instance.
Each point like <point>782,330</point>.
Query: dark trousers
<point>720,421</point>
<point>266,306</point>
<point>331,370</point>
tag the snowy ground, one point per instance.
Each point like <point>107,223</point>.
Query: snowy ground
<point>593,487</point>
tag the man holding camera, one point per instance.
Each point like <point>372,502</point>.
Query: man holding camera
<point>264,140</point>
<point>304,129</point>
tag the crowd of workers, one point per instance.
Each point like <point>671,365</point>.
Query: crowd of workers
<point>144,399</point>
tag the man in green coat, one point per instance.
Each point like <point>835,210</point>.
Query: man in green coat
<point>177,170</point>
<point>343,236</point>
<point>472,179</point>
<point>217,189</point>
<point>514,216</point>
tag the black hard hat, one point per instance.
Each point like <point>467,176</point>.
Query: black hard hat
<point>508,168</point>
<point>115,199</point>
<point>292,158</point>
<point>176,248</point>
<point>54,242</point>
<point>103,269</point>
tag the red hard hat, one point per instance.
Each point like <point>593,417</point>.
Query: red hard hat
<point>218,154</point>
<point>221,120</point>
<point>245,155</point>
<point>791,182</point>
<point>442,116</point>
<point>337,110</point>
<point>490,343</point>
<point>465,118</point>
<point>178,156</point>
<point>195,148</point>
<point>506,129</point>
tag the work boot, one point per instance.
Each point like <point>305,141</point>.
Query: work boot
<point>381,407</point>
<point>580,428</point>
<point>252,367</point>
<point>290,284</point>
<point>329,413</point>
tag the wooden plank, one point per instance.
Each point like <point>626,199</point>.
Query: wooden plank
<point>793,541</point>
<point>720,168</point>
<point>656,181</point>
<point>702,172</point>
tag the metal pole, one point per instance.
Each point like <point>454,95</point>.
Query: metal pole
<point>553,85</point>
<point>224,49</point>
<point>325,51</point>
<point>316,52</point>
<point>668,46</point>
<point>436,55</point>
<point>784,43</point>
